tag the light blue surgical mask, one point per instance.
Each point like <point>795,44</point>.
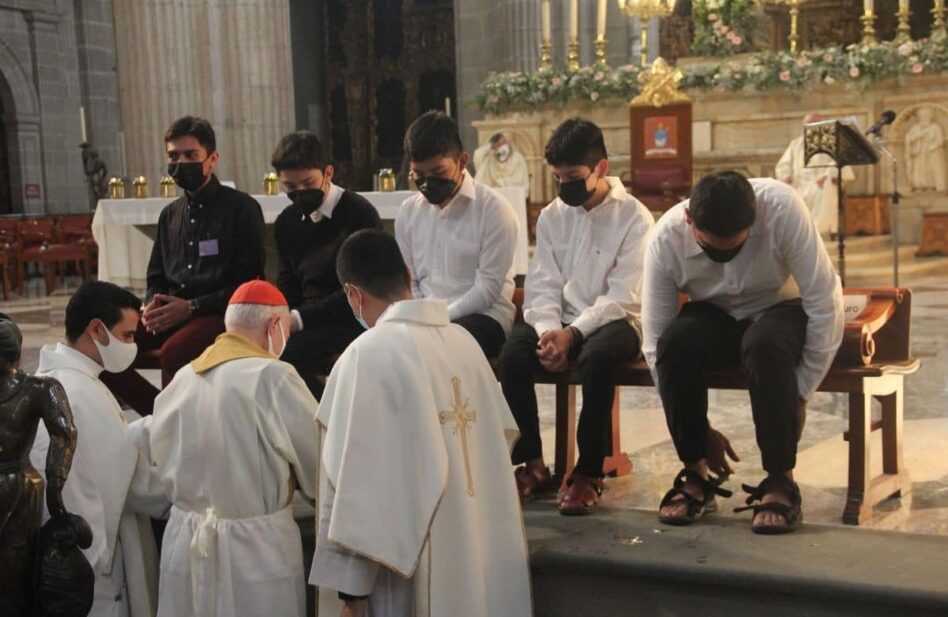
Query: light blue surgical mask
<point>358,316</point>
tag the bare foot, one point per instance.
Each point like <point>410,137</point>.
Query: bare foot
<point>773,519</point>
<point>677,507</point>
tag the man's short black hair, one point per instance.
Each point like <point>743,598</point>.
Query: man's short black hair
<point>433,133</point>
<point>723,203</point>
<point>576,142</point>
<point>496,137</point>
<point>97,300</point>
<point>299,150</point>
<point>371,260</point>
<point>192,126</point>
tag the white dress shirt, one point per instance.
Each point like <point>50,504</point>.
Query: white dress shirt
<point>783,258</point>
<point>587,267</point>
<point>462,253</point>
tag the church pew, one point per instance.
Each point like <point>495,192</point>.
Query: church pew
<point>872,362</point>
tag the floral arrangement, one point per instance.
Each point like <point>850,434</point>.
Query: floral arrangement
<point>725,27</point>
<point>855,66</point>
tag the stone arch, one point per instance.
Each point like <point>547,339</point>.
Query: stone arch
<point>895,141</point>
<point>21,122</point>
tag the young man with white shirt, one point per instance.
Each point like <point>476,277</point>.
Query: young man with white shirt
<point>111,484</point>
<point>308,235</point>
<point>457,236</point>
<point>582,302</point>
<point>763,295</point>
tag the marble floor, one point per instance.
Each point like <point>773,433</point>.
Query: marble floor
<point>821,469</point>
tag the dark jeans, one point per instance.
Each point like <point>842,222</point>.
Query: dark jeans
<point>597,358</point>
<point>317,345</point>
<point>175,347</point>
<point>486,331</point>
<point>703,337</point>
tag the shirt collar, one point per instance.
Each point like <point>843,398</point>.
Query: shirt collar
<point>427,312</point>
<point>466,193</point>
<point>63,356</point>
<point>206,194</point>
<point>329,204</point>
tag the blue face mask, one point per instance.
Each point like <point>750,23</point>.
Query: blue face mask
<point>359,318</point>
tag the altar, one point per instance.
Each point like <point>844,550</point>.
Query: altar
<point>124,231</point>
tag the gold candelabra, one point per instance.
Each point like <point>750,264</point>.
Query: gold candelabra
<point>645,10</point>
<point>868,28</point>
<point>601,50</point>
<point>572,57</point>
<point>938,16</point>
<point>546,54</point>
<point>904,30</point>
<point>794,25</point>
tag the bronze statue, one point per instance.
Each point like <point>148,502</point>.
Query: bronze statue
<point>96,173</point>
<point>24,400</point>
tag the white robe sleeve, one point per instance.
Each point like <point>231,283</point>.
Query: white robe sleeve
<point>335,567</point>
<point>146,495</point>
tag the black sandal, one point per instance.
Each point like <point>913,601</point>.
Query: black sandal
<point>697,508</point>
<point>792,514</point>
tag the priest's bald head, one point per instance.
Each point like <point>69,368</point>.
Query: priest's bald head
<point>373,274</point>
<point>259,312</point>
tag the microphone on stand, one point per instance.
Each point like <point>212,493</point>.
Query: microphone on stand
<point>887,117</point>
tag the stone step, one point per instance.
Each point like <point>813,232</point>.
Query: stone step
<point>880,257</point>
<point>861,244</point>
<point>624,562</point>
<point>881,275</point>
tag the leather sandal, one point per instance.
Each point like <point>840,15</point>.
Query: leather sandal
<point>792,514</point>
<point>530,485</point>
<point>696,508</point>
<point>581,495</point>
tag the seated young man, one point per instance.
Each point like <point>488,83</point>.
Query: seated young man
<point>457,236</point>
<point>209,241</point>
<point>418,515</point>
<point>581,302</point>
<point>763,294</point>
<point>308,236</point>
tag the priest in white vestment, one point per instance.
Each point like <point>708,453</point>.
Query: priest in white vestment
<point>418,512</point>
<point>233,435</point>
<point>111,484</point>
<point>815,181</point>
<point>499,165</point>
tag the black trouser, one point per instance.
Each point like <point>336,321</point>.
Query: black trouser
<point>703,337</point>
<point>486,331</point>
<point>316,345</point>
<point>597,358</point>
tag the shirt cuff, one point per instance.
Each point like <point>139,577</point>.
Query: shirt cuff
<point>296,317</point>
<point>546,325</point>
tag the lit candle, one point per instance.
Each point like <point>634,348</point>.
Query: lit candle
<point>903,5</point>
<point>868,5</point>
<point>82,122</point>
<point>447,106</point>
<point>601,23</point>
<point>545,19</point>
<point>574,19</point>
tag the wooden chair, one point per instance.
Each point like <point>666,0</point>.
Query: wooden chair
<point>9,252</point>
<point>41,243</point>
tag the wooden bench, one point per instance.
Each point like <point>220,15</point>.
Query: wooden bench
<point>872,363</point>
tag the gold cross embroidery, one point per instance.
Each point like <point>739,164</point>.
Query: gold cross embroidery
<point>461,417</point>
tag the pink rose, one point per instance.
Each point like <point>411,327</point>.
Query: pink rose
<point>784,76</point>
<point>917,68</point>
<point>725,29</point>
<point>854,72</point>
<point>598,76</point>
<point>827,57</point>
<point>556,81</point>
<point>737,40</point>
<point>594,96</point>
<point>905,49</point>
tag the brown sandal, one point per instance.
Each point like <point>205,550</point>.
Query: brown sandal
<point>530,485</point>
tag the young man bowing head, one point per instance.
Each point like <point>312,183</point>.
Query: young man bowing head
<point>581,303</point>
<point>763,295</point>
<point>419,514</point>
<point>233,436</point>
<point>457,236</point>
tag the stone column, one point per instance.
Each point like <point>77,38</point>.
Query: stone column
<point>228,62</point>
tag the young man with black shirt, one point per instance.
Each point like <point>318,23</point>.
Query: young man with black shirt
<point>309,234</point>
<point>209,241</point>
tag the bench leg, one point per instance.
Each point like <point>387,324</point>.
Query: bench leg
<point>858,505</point>
<point>892,462</point>
<point>617,463</point>
<point>565,456</point>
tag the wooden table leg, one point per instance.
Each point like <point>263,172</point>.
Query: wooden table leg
<point>858,505</point>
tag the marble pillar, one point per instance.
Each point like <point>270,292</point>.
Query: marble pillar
<point>226,61</point>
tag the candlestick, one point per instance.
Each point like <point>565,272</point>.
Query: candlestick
<point>868,6</point>
<point>794,25</point>
<point>545,20</point>
<point>546,54</point>
<point>601,20</point>
<point>82,123</point>
<point>643,41</point>
<point>938,16</point>
<point>601,50</point>
<point>572,58</point>
<point>447,106</point>
<point>868,29</point>
<point>573,21</point>
<point>904,32</point>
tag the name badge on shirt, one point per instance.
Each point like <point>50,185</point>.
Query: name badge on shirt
<point>208,248</point>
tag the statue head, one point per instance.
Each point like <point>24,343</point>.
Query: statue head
<point>11,344</point>
<point>924,114</point>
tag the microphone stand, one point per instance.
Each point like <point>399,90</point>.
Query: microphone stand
<point>894,210</point>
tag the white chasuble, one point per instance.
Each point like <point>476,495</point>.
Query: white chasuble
<point>231,441</point>
<point>419,508</point>
<point>823,201</point>
<point>111,485</point>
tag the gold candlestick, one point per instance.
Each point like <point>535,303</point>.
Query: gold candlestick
<point>904,30</point>
<point>938,16</point>
<point>546,54</point>
<point>868,28</point>
<point>572,58</point>
<point>601,50</point>
<point>794,25</point>
<point>643,43</point>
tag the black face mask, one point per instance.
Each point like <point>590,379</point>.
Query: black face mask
<point>437,190</point>
<point>721,255</point>
<point>189,176</point>
<point>307,200</point>
<point>574,193</point>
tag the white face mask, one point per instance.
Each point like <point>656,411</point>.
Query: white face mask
<point>117,355</point>
<point>503,152</point>
<point>270,341</point>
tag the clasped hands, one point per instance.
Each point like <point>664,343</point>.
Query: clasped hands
<point>164,313</point>
<point>553,350</point>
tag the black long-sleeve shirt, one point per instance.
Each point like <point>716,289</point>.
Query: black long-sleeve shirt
<point>207,246</point>
<point>307,254</point>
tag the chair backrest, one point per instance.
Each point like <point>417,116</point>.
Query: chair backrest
<point>37,231</point>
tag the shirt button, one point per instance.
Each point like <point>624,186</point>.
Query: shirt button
<point>191,243</point>
<point>190,266</point>
<point>192,221</point>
